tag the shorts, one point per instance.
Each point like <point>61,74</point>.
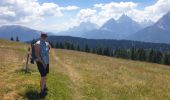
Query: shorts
<point>43,71</point>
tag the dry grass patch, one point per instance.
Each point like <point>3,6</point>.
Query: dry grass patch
<point>82,76</point>
<point>108,78</point>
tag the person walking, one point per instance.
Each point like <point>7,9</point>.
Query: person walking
<point>42,48</point>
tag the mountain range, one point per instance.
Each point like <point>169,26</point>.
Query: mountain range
<point>122,28</point>
<point>114,29</point>
<point>78,31</point>
<point>157,33</point>
<point>23,33</point>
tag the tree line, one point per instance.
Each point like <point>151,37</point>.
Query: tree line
<point>140,54</point>
<point>16,39</point>
<point>112,44</point>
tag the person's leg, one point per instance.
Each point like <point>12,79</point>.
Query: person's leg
<point>42,83</point>
<point>43,78</point>
<point>47,71</point>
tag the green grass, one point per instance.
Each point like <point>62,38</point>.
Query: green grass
<point>81,76</point>
<point>16,84</point>
<point>57,84</point>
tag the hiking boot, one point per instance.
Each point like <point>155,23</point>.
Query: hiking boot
<point>42,94</point>
<point>45,89</point>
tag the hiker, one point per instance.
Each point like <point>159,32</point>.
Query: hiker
<point>42,48</point>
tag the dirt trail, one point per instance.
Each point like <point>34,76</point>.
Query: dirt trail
<point>73,75</point>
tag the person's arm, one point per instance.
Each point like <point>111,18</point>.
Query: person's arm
<point>49,47</point>
<point>37,54</point>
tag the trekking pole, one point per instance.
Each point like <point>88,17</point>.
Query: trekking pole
<point>28,55</point>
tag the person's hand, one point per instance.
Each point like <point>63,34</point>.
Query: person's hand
<point>38,60</point>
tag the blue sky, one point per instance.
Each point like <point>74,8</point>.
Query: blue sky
<point>60,15</point>
<point>84,4</point>
<point>90,3</point>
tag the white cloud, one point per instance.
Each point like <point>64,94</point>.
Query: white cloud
<point>116,5</point>
<point>27,11</point>
<point>4,11</point>
<point>100,13</point>
<point>69,8</point>
<point>48,9</point>
<point>157,10</point>
<point>115,9</point>
<point>85,14</point>
<point>153,12</point>
<point>161,6</point>
<point>111,10</point>
<point>31,12</point>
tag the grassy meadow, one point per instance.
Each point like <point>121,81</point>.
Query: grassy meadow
<point>81,76</point>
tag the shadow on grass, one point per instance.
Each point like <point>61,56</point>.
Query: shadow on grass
<point>23,71</point>
<point>33,95</point>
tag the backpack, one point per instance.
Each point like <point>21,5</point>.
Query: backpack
<point>33,56</point>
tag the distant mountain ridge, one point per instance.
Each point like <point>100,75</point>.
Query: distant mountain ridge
<point>78,31</point>
<point>112,29</point>
<point>146,23</point>
<point>23,33</point>
<point>115,29</point>
<point>157,33</point>
<point>123,28</point>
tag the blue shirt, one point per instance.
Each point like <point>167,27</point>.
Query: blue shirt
<point>44,50</point>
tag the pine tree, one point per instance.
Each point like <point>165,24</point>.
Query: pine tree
<point>166,58</point>
<point>12,39</point>
<point>33,41</point>
<point>17,39</point>
<point>99,51</point>
<point>61,45</point>
<point>94,50</point>
<point>106,52</point>
<point>158,57</point>
<point>111,53</point>
<point>117,53</point>
<point>78,48</point>
<point>72,47</point>
<point>151,55</point>
<point>87,49</point>
<point>51,44</point>
<point>155,56</point>
<point>132,54</point>
<point>56,45</point>
<point>141,54</point>
<point>65,45</point>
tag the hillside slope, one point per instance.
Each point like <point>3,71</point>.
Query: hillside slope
<point>23,33</point>
<point>81,76</point>
<point>157,33</point>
